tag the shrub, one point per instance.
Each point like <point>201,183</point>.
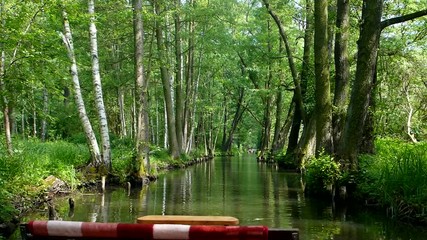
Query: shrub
<point>322,173</point>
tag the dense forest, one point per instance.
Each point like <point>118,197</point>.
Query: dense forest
<point>295,80</point>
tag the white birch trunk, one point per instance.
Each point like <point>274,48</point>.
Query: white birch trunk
<point>6,121</point>
<point>410,113</point>
<point>90,135</point>
<point>105,137</point>
<point>45,113</point>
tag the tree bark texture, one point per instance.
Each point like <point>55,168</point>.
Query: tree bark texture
<point>323,111</point>
<point>141,94</point>
<point>99,99</point>
<point>179,109</point>
<point>361,91</point>
<point>305,76</point>
<point>167,88</point>
<point>342,70</point>
<point>90,135</point>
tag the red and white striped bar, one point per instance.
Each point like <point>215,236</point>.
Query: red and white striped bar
<point>68,229</point>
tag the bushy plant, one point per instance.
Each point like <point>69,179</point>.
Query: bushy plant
<point>322,173</point>
<point>396,177</point>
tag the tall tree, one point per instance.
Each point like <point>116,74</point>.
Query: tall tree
<point>141,92</point>
<point>179,109</point>
<point>370,30</point>
<point>342,70</point>
<point>5,104</point>
<point>305,76</point>
<point>99,98</point>
<point>323,108</point>
<point>167,88</point>
<point>289,53</point>
<point>87,126</point>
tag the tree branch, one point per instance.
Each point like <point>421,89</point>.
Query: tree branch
<point>404,18</point>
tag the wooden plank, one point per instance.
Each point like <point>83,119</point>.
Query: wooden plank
<point>190,220</point>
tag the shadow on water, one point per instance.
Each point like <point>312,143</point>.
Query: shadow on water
<point>255,193</point>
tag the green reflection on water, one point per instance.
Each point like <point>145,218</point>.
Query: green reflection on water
<point>257,194</point>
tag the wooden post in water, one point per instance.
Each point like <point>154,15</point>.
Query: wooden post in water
<point>71,209</point>
<point>129,186</point>
<point>103,184</point>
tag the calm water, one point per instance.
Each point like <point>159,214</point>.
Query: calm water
<point>257,194</point>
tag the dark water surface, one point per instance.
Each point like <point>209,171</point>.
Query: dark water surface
<point>257,194</point>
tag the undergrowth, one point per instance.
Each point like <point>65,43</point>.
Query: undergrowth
<point>396,178</point>
<point>22,174</point>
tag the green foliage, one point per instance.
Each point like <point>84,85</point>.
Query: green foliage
<point>286,161</point>
<point>396,177</point>
<point>123,153</point>
<point>21,176</point>
<point>322,173</point>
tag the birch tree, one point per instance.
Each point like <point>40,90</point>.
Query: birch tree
<point>87,126</point>
<point>99,100</point>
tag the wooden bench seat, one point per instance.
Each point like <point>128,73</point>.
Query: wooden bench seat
<point>190,220</point>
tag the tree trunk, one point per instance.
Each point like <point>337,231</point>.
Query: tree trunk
<point>323,111</point>
<point>342,71</point>
<point>410,110</point>
<point>122,114</point>
<point>6,115</point>
<point>179,108</point>
<point>305,76</point>
<point>189,80</point>
<point>266,132</point>
<point>361,91</point>
<point>99,99</point>
<point>226,146</point>
<point>120,90</point>
<point>191,119</point>
<point>141,94</point>
<point>295,78</point>
<point>45,114</point>
<point>307,144</point>
<point>167,88</point>
<point>276,148</point>
<point>90,135</point>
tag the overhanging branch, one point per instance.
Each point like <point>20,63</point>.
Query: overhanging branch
<point>403,18</point>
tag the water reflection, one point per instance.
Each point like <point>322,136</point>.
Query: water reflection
<point>238,186</point>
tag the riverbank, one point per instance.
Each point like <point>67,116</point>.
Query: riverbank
<point>24,177</point>
<point>393,180</point>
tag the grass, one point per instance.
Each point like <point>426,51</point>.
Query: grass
<point>21,175</point>
<point>396,177</point>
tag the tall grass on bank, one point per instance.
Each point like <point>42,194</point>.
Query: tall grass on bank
<point>396,177</point>
<point>21,175</point>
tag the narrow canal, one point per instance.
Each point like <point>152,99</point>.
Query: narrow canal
<point>257,194</point>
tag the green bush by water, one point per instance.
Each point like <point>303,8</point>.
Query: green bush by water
<point>322,174</point>
<point>396,178</point>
